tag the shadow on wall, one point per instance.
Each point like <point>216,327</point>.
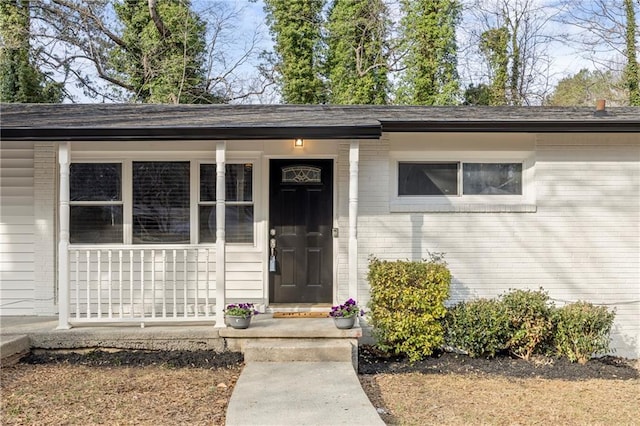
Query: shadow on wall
<point>625,344</point>
<point>459,292</point>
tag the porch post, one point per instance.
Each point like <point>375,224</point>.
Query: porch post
<point>220,233</point>
<point>64,151</point>
<point>354,153</point>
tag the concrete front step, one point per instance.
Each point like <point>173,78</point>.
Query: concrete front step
<point>12,348</point>
<point>308,350</point>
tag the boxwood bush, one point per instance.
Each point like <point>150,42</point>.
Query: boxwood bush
<point>479,328</point>
<point>525,323</point>
<point>407,305</point>
<point>530,321</point>
<point>582,330</point>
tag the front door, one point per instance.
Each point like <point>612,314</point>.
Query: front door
<point>300,222</point>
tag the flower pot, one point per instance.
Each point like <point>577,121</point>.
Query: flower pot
<point>238,322</point>
<point>344,323</point>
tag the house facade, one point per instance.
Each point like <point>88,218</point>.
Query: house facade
<point>143,213</point>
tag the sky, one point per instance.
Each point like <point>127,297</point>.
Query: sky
<point>565,59</point>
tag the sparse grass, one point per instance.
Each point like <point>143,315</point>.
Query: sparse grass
<point>56,394</point>
<point>455,399</point>
<point>158,394</point>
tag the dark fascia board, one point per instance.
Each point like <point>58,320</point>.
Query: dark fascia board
<point>190,133</point>
<point>366,131</point>
<point>520,126</point>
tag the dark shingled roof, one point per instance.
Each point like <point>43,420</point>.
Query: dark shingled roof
<point>232,122</point>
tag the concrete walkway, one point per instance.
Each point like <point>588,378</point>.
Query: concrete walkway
<point>300,393</point>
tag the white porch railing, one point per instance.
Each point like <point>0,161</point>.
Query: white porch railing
<point>141,284</point>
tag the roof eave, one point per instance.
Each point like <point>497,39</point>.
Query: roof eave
<point>520,126</point>
<point>190,133</point>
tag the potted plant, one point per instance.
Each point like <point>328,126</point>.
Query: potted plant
<point>344,316</point>
<point>238,315</point>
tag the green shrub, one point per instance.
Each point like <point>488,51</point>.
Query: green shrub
<point>479,327</point>
<point>530,317</point>
<point>407,304</point>
<point>582,330</point>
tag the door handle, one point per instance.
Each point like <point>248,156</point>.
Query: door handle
<point>272,257</point>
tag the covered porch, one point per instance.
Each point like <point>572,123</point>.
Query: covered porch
<point>132,283</point>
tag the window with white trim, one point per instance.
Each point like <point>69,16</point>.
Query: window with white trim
<point>96,205</point>
<point>239,203</point>
<point>457,178</point>
<point>161,202</point>
<point>150,202</point>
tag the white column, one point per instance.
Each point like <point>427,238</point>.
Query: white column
<point>64,153</point>
<point>220,233</point>
<point>354,153</point>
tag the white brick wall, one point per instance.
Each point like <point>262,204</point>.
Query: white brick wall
<point>582,243</point>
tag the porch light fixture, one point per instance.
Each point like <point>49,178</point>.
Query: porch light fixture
<point>298,143</point>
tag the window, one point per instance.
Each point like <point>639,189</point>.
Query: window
<point>157,202</point>
<point>443,179</point>
<point>95,191</point>
<point>161,202</point>
<point>239,203</point>
<point>428,179</point>
<point>492,179</point>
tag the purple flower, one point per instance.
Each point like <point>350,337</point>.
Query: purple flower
<point>241,310</point>
<point>347,310</point>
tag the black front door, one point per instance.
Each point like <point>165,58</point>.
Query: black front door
<point>300,222</point>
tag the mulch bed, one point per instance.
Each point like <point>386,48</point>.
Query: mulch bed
<point>373,361</point>
<point>370,361</point>
<point>138,358</point>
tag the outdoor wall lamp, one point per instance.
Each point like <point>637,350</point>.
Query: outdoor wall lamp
<point>298,143</point>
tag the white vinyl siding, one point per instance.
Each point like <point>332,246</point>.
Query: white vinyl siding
<point>581,243</point>
<point>17,249</point>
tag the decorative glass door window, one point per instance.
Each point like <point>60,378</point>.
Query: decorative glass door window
<point>301,174</point>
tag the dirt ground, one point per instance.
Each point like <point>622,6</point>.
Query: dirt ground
<point>163,388</point>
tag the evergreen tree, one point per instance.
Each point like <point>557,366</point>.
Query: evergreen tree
<point>356,61</point>
<point>494,46</point>
<point>585,87</point>
<point>161,55</point>
<point>632,70</point>
<point>477,95</point>
<point>20,80</point>
<point>296,28</point>
<point>429,33</point>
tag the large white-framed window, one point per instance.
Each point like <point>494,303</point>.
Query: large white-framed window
<point>96,203</point>
<point>158,201</point>
<point>161,202</point>
<point>462,182</point>
<point>239,221</point>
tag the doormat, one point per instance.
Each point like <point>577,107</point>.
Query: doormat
<point>301,314</point>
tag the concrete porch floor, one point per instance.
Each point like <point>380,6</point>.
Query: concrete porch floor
<point>41,333</point>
